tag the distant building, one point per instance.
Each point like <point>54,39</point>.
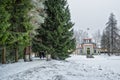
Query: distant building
<point>88,47</point>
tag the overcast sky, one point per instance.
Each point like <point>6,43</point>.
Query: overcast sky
<point>93,14</point>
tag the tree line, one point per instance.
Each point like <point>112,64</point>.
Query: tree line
<point>26,26</point>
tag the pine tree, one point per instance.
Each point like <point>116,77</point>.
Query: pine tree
<point>103,38</point>
<point>4,26</point>
<point>110,35</point>
<point>113,32</point>
<point>20,24</point>
<point>105,42</point>
<point>55,35</point>
<point>37,14</point>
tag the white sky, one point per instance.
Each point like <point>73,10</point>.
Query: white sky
<point>93,14</point>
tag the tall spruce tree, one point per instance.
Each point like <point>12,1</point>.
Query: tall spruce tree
<point>37,14</point>
<point>112,31</point>
<point>103,39</point>
<point>105,42</point>
<point>55,36</point>
<point>4,27</point>
<point>109,38</point>
<point>20,24</point>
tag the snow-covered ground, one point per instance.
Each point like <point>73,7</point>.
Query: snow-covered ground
<point>76,67</point>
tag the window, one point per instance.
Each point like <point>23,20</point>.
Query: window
<point>94,51</point>
<point>80,51</point>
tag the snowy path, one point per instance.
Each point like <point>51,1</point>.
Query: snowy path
<point>74,68</point>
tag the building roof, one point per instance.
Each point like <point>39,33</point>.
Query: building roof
<point>87,39</point>
<point>88,43</point>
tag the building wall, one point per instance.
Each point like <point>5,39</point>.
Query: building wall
<point>83,50</point>
<point>77,51</point>
<point>88,46</point>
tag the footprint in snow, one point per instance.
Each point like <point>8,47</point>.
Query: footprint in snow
<point>58,77</point>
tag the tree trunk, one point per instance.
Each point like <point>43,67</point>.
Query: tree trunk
<point>108,52</point>
<point>36,54</point>
<point>4,55</point>
<point>48,57</point>
<point>16,54</point>
<point>30,59</point>
<point>24,54</point>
